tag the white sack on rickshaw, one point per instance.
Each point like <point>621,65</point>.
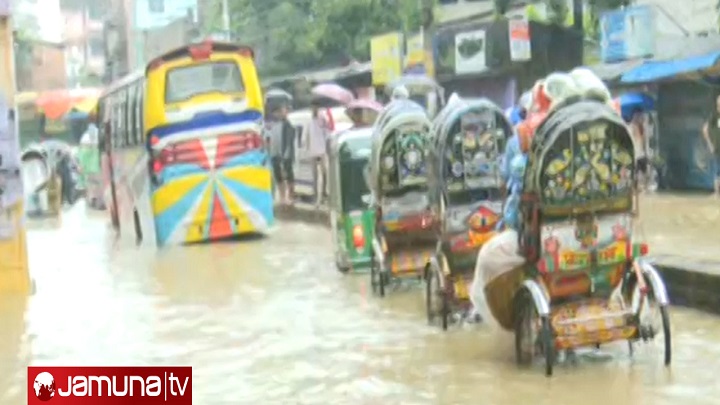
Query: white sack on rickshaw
<point>497,257</point>
<point>589,84</point>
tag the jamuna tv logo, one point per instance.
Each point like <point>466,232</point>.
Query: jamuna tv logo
<point>44,386</point>
<point>110,385</point>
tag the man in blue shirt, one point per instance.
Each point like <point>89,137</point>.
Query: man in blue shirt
<point>509,165</point>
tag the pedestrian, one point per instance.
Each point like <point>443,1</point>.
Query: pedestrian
<point>711,133</point>
<point>281,143</point>
<point>316,146</point>
<point>637,130</point>
<point>64,169</point>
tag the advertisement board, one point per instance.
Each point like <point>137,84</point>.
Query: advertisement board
<point>519,34</point>
<point>627,34</point>
<point>386,57</point>
<point>470,52</point>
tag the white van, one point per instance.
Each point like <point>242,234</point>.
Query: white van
<point>304,187</point>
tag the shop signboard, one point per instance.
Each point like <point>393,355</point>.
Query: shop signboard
<point>519,34</point>
<point>470,52</point>
<point>386,57</point>
<point>627,34</point>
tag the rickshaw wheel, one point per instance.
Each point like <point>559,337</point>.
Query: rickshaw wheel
<point>342,269</point>
<point>373,274</point>
<point>533,334</point>
<point>647,332</point>
<point>382,282</point>
<point>377,278</point>
<point>433,292</point>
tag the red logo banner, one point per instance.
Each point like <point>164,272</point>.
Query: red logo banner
<point>109,385</point>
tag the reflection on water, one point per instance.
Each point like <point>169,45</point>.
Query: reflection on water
<point>272,321</point>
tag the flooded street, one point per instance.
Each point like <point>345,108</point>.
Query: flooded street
<point>271,321</point>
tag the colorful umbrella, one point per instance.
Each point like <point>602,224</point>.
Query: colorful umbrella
<point>334,92</point>
<point>365,104</point>
<point>54,104</point>
<point>87,105</point>
<point>629,102</point>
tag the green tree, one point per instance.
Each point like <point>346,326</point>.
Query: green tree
<point>291,36</point>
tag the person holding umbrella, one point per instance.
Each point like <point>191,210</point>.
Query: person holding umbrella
<point>319,131</point>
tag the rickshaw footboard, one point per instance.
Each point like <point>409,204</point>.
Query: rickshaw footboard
<point>590,322</point>
<point>410,262</point>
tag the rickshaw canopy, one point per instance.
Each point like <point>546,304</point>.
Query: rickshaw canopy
<point>397,115</point>
<point>584,128</point>
<point>451,115</point>
<point>414,83</point>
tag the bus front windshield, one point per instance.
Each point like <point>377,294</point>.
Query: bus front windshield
<point>183,83</point>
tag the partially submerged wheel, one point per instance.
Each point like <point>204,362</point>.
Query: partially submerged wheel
<point>436,298</point>
<point>653,317</point>
<point>533,334</point>
<point>341,268</point>
<point>378,279</point>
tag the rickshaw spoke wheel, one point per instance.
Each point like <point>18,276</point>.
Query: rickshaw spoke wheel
<point>533,335</point>
<point>436,298</point>
<point>382,281</point>
<point>429,290</point>
<point>653,318</point>
<point>373,274</point>
<point>525,331</point>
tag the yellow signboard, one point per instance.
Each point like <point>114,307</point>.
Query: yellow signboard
<point>415,50</point>
<point>386,56</point>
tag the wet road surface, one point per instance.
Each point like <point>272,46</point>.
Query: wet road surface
<point>271,322</point>
<point>684,225</point>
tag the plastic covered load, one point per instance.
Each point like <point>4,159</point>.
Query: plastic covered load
<point>590,85</point>
<point>496,258</point>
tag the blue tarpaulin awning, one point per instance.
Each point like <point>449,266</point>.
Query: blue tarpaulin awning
<point>656,70</point>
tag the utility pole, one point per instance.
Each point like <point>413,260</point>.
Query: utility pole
<point>427,12</point>
<point>226,20</point>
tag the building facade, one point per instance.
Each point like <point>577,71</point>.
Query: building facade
<point>83,37</point>
<point>48,71</point>
<point>162,25</point>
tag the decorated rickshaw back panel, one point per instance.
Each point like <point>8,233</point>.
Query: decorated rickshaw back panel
<point>582,160</point>
<point>403,159</point>
<point>472,152</point>
<point>587,253</point>
<point>467,228</point>
<point>405,213</point>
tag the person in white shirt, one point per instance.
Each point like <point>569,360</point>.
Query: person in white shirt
<point>316,147</point>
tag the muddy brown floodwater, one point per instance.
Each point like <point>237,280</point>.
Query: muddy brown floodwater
<point>270,321</point>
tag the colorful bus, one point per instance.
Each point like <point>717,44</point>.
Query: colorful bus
<point>183,149</point>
